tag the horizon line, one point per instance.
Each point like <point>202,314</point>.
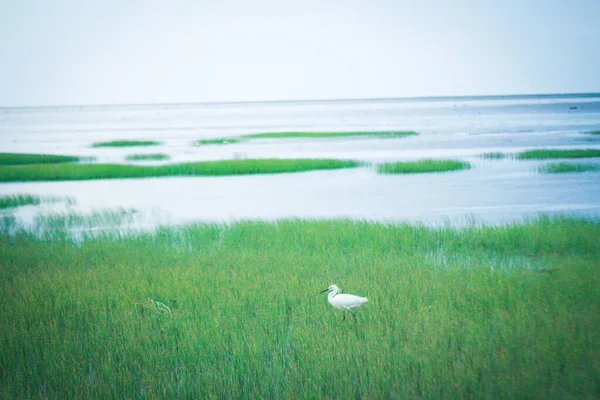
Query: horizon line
<point>316,100</point>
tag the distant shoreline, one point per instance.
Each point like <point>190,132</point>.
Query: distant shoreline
<point>307,101</point>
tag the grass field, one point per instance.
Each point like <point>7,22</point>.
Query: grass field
<point>233,311</point>
<point>23,158</point>
<point>420,166</point>
<point>281,135</point>
<point>147,157</point>
<point>543,154</point>
<point>58,172</point>
<point>126,143</point>
<point>204,142</point>
<point>556,168</point>
<point>18,200</point>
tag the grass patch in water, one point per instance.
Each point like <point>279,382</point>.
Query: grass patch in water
<point>126,143</point>
<point>147,157</point>
<point>543,154</point>
<point>420,166</point>
<point>278,135</point>
<point>18,200</point>
<point>233,311</point>
<point>497,155</point>
<point>204,142</point>
<point>58,172</point>
<point>24,158</point>
<point>593,133</point>
<point>557,168</point>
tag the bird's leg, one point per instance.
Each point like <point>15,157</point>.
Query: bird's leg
<point>344,314</point>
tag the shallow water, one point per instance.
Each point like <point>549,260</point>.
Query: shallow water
<point>493,191</point>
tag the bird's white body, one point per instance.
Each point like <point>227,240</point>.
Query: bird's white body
<point>344,301</point>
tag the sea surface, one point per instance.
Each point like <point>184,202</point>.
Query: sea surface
<point>492,191</point>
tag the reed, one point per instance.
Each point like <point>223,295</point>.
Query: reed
<point>18,200</point>
<point>557,168</point>
<point>280,135</point>
<point>421,166</point>
<point>126,143</point>
<point>498,155</point>
<point>58,172</point>
<point>24,158</point>
<point>544,154</point>
<point>147,157</point>
<point>204,142</point>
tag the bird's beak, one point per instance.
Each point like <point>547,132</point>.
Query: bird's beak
<point>324,290</point>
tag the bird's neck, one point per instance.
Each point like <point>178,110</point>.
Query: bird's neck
<point>332,294</point>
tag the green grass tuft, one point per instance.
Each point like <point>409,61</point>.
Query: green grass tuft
<point>567,167</point>
<point>203,142</point>
<point>498,155</point>
<point>276,135</point>
<point>59,172</point>
<point>233,311</point>
<point>147,157</point>
<point>126,143</point>
<point>26,199</point>
<point>18,200</point>
<point>22,159</point>
<point>543,154</point>
<point>411,167</point>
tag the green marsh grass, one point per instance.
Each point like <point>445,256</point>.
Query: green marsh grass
<point>204,142</point>
<point>279,135</point>
<point>498,155</point>
<point>564,167</point>
<point>107,223</point>
<point>147,157</point>
<point>593,133</point>
<point>23,158</point>
<point>126,143</point>
<point>18,200</point>
<point>477,312</point>
<point>57,172</point>
<point>420,166</point>
<point>543,154</point>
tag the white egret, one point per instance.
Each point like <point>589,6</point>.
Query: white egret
<point>344,302</point>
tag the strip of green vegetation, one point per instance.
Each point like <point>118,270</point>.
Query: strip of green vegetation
<point>25,200</point>
<point>126,143</point>
<point>18,200</point>
<point>233,311</point>
<point>420,166</point>
<point>557,168</point>
<point>147,157</point>
<point>203,142</point>
<point>498,155</point>
<point>22,158</point>
<point>593,133</point>
<point>542,154</point>
<point>276,135</point>
<point>57,172</point>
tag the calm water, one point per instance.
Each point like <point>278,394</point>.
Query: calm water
<point>462,128</point>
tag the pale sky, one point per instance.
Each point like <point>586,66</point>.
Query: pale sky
<point>67,52</point>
